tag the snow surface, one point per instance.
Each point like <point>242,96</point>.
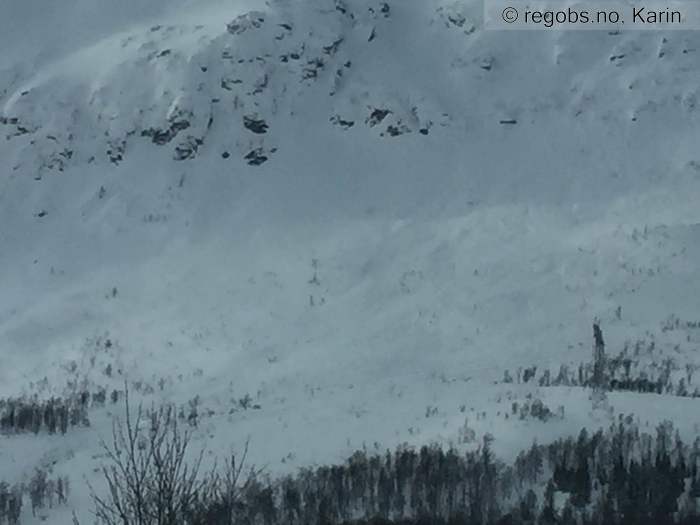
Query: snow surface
<point>361,274</point>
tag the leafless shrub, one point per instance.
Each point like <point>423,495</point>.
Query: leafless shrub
<point>230,488</point>
<point>152,480</point>
<point>149,479</point>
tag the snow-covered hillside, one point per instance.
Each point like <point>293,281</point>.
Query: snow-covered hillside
<point>357,213</point>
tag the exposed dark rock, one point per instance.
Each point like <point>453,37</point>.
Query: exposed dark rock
<point>255,125</point>
<point>339,121</point>
<point>340,6</point>
<point>188,148</point>
<point>256,157</point>
<point>376,116</point>
<point>261,84</point>
<point>228,83</point>
<point>394,130</point>
<point>163,136</point>
<point>384,10</point>
<point>20,129</point>
<point>115,153</point>
<point>240,24</point>
<point>312,68</point>
<point>333,48</point>
<point>457,19</point>
<point>57,161</point>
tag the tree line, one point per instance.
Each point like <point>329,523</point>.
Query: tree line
<point>622,372</point>
<point>42,491</point>
<point>616,476</point>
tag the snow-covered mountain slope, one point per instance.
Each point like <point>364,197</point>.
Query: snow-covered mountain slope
<point>348,210</point>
